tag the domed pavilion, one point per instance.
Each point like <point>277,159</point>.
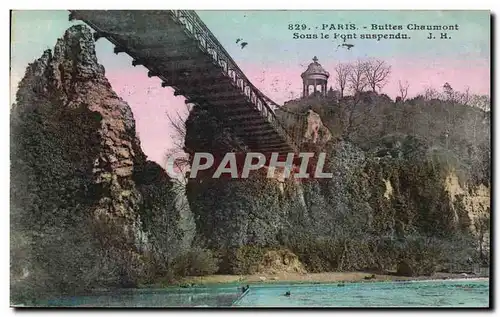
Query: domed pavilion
<point>315,76</point>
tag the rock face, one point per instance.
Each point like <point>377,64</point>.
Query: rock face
<point>391,199</point>
<point>82,189</point>
<point>300,118</point>
<point>233,213</point>
<point>315,131</point>
<point>280,261</point>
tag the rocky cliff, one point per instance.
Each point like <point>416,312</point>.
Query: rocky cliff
<point>394,200</point>
<point>301,119</point>
<point>234,217</point>
<point>87,208</point>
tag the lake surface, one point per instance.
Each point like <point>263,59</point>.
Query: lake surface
<point>383,294</point>
<point>448,293</point>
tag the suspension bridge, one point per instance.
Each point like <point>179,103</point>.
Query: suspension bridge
<point>177,47</point>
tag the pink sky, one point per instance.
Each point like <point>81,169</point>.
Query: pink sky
<point>150,102</point>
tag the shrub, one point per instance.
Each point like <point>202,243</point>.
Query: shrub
<point>244,260</point>
<point>196,262</point>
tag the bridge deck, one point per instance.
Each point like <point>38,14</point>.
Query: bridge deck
<point>177,47</point>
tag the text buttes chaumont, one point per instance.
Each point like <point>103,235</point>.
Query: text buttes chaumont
<point>391,27</point>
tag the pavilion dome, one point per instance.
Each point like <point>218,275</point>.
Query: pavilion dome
<point>315,68</point>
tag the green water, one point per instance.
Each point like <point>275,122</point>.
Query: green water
<point>469,293</point>
<point>387,294</point>
<point>220,296</point>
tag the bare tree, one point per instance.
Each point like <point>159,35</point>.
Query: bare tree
<point>466,96</point>
<point>351,110</point>
<point>181,166</point>
<point>431,93</point>
<point>356,77</point>
<point>342,73</point>
<point>403,90</point>
<point>480,101</point>
<point>456,96</point>
<point>448,92</point>
<point>377,73</point>
<point>178,123</point>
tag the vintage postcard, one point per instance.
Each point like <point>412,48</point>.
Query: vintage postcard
<point>177,158</point>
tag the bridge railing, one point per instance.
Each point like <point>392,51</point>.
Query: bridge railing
<point>199,31</point>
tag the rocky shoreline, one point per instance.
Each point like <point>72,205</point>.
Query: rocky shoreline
<point>312,278</point>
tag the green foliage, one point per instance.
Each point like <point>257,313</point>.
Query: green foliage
<point>195,262</point>
<point>246,259</point>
